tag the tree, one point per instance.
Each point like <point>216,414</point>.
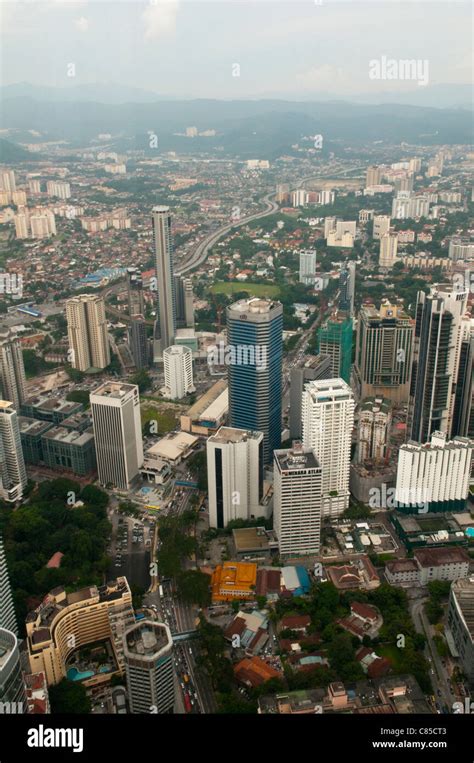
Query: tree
<point>69,697</point>
<point>75,375</point>
<point>79,396</point>
<point>143,379</point>
<point>193,587</point>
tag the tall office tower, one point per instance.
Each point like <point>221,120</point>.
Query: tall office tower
<point>297,502</point>
<point>373,176</point>
<point>254,336</point>
<point>149,667</point>
<point>183,289</point>
<point>373,430</point>
<point>307,266</point>
<point>347,288</point>
<point>315,367</point>
<point>464,381</point>
<point>234,475</point>
<point>13,477</point>
<point>178,367</point>
<point>165,327</point>
<point>7,181</point>
<point>328,421</point>
<point>12,370</point>
<point>138,341</point>
<point>116,420</point>
<point>434,476</point>
<point>334,338</point>
<point>136,304</point>
<point>388,250</point>
<point>381,226</point>
<point>383,352</point>
<point>461,624</point>
<point>7,610</point>
<point>414,164</point>
<point>436,355</point>
<point>87,332</point>
<point>12,688</point>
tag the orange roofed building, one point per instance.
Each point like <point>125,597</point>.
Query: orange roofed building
<point>234,580</point>
<point>254,672</point>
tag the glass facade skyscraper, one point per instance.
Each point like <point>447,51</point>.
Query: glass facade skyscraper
<point>254,335</point>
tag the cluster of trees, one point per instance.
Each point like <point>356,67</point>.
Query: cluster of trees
<point>197,464</point>
<point>48,523</point>
<point>439,593</point>
<point>176,544</point>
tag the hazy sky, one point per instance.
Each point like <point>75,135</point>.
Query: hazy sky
<point>189,48</point>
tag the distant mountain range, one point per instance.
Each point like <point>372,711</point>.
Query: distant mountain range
<point>264,128</point>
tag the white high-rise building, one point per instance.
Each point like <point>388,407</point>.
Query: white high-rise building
<point>381,226</point>
<point>12,370</point>
<point>388,250</point>
<point>178,367</point>
<point>234,475</point>
<point>43,224</point>
<point>297,501</point>
<point>22,225</point>
<point>87,332</point>
<point>7,181</point>
<point>346,226</point>
<point>165,325</point>
<point>13,477</point>
<point>116,420</point>
<point>307,266</point>
<point>148,653</point>
<point>434,476</point>
<point>327,424</point>
<point>299,198</point>
<point>59,189</point>
<point>7,610</point>
<point>405,206</point>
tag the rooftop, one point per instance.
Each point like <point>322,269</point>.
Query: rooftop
<point>437,557</point>
<point>148,639</point>
<point>228,435</point>
<point>114,389</point>
<point>296,458</point>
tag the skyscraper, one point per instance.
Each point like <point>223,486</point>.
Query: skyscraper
<point>149,668</point>
<point>183,289</point>
<point>7,610</point>
<point>388,249</point>
<point>328,420</point>
<point>136,305</point>
<point>347,288</point>
<point>234,475</point>
<point>13,477</point>
<point>12,688</point>
<point>254,335</point>
<point>461,624</point>
<point>464,382</point>
<point>12,370</point>
<point>383,352</point>
<point>165,326</point>
<point>178,367</point>
<point>334,338</point>
<point>297,506</point>
<point>137,337</point>
<point>315,367</point>
<point>436,355</point>
<point>87,332</point>
<point>381,226</point>
<point>116,419</point>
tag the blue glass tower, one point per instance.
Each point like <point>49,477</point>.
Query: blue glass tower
<point>254,358</point>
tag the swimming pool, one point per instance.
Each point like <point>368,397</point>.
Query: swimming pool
<point>470,532</point>
<point>75,675</point>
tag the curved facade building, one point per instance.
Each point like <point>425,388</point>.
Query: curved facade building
<point>12,688</point>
